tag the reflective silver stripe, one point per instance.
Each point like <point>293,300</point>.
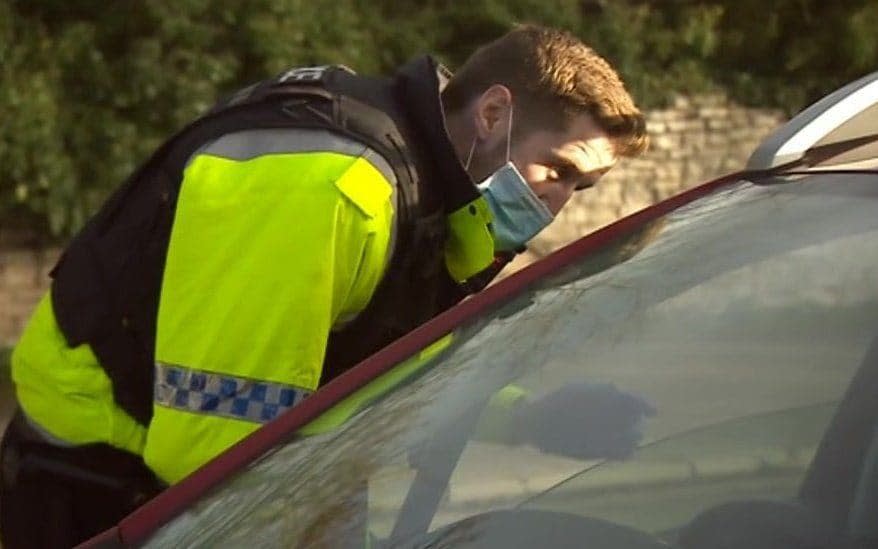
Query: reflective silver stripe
<point>223,395</point>
<point>250,144</point>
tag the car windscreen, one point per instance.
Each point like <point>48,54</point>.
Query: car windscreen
<point>692,362</point>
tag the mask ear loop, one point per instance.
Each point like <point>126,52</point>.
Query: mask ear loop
<point>509,137</point>
<point>472,149</point>
<point>469,157</point>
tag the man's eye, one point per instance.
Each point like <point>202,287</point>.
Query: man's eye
<point>561,172</point>
<point>571,171</point>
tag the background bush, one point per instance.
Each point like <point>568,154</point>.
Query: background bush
<point>88,88</point>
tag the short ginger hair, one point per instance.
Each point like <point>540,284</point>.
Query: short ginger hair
<point>554,75</point>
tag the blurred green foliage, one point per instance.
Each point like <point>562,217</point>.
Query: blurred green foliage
<point>88,88</point>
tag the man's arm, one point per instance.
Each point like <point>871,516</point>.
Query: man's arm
<point>267,254</point>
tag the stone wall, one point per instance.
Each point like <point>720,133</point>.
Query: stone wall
<point>695,140</point>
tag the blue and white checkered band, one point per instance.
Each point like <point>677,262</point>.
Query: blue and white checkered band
<point>222,395</point>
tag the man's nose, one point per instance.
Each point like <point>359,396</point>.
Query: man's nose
<point>558,196</point>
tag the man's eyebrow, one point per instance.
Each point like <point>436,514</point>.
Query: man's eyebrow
<point>565,160</point>
<point>572,162</point>
<point>586,177</point>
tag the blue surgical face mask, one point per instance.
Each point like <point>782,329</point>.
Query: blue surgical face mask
<point>518,214</point>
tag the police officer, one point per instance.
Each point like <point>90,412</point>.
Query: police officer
<point>299,226</point>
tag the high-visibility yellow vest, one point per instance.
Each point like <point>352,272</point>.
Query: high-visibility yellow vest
<point>267,254</point>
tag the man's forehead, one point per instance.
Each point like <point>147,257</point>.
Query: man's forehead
<point>577,145</point>
<point>589,145</point>
<point>581,129</point>
<point>580,136</point>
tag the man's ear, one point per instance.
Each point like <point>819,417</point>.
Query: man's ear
<point>492,114</point>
